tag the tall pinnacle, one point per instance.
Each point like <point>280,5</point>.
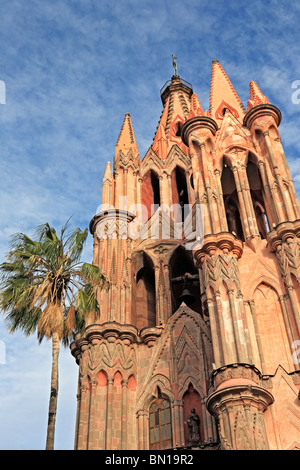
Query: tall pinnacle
<point>223,95</point>
<point>256,96</point>
<point>126,138</point>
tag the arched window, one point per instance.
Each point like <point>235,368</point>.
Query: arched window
<point>160,426</point>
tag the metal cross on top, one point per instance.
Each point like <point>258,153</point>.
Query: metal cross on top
<point>174,65</point>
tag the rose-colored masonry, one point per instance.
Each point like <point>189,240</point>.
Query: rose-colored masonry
<point>230,353</point>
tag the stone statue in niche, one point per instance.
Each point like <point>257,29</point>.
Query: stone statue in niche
<point>193,425</point>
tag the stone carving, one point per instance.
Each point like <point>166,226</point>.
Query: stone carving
<point>235,371</point>
<point>239,409</point>
<point>107,356</point>
<point>242,435</point>
<point>114,227</point>
<point>194,426</point>
<point>127,160</point>
<point>289,257</point>
<point>249,430</point>
<point>285,241</point>
<point>221,267</point>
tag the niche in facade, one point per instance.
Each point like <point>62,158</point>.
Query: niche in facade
<point>192,417</point>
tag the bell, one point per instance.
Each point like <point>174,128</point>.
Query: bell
<point>186,297</point>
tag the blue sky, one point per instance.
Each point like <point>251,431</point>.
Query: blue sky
<point>72,69</point>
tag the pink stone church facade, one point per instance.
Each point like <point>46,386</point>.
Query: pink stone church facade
<point>197,344</point>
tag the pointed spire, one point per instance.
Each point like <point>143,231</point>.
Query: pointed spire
<point>126,138</point>
<point>107,173</point>
<point>223,95</point>
<point>107,185</point>
<point>196,108</point>
<point>124,270</point>
<point>113,268</point>
<point>256,96</point>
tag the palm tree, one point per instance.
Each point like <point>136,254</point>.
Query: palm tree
<point>45,288</point>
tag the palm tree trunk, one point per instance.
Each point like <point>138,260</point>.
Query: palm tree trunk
<point>53,393</point>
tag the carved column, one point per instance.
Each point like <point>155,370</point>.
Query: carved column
<point>198,133</point>
<point>83,420</point>
<point>217,258</point>
<point>77,421</point>
<point>191,195</point>
<point>248,200</point>
<point>237,398</point>
<point>110,382</point>
<point>238,402</point>
<point>285,241</point>
<point>242,206</point>
<point>177,423</point>
<point>270,203</point>
<point>168,297</point>
<point>143,424</point>
<point>140,415</point>
<point>221,206</point>
<point>94,385</point>
<point>124,384</point>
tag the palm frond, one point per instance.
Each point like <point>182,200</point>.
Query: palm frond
<point>44,274</point>
<point>70,321</point>
<point>92,274</point>
<point>51,321</point>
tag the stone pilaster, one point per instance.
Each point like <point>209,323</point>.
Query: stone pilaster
<point>285,242</point>
<point>217,258</point>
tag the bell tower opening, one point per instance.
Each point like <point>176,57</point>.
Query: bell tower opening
<point>180,193</point>
<point>231,204</point>
<point>151,192</point>
<point>256,190</point>
<point>155,188</point>
<point>184,281</point>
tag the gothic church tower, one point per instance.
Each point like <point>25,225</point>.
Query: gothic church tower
<point>196,345</point>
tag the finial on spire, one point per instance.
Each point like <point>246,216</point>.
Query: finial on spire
<point>175,65</point>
